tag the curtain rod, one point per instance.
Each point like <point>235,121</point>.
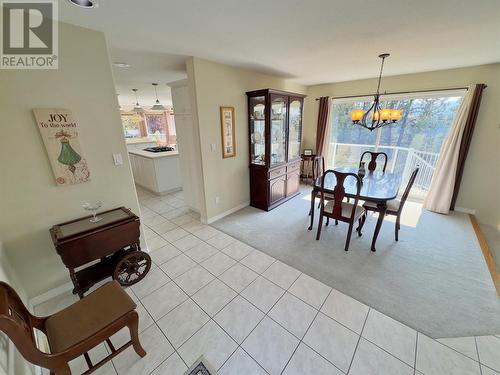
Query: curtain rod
<point>401,92</point>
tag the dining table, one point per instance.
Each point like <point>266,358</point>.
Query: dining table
<point>377,187</point>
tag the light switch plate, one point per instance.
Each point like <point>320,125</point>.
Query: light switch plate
<point>118,159</point>
<point>212,147</point>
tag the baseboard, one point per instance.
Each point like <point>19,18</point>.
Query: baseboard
<point>57,291</point>
<point>488,256</point>
<point>228,212</point>
<point>466,210</point>
<point>161,193</point>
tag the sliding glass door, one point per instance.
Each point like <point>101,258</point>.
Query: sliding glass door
<point>415,140</point>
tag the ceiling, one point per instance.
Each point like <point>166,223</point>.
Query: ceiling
<point>145,68</point>
<point>315,41</point>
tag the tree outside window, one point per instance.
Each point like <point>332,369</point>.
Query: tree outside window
<point>414,140</point>
<point>158,126</point>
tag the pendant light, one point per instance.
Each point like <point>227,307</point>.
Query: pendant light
<point>137,107</point>
<point>376,117</point>
<point>157,106</point>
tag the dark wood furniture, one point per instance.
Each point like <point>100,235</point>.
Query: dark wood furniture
<point>275,137</point>
<point>336,208</point>
<point>372,165</point>
<point>395,206</point>
<point>114,241</point>
<point>318,167</point>
<point>378,187</point>
<point>73,331</point>
<point>307,173</point>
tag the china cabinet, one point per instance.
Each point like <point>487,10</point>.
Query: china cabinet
<point>275,136</point>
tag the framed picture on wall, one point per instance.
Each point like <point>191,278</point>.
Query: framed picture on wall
<point>227,132</point>
<point>60,135</point>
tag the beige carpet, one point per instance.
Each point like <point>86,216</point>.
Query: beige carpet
<point>434,279</point>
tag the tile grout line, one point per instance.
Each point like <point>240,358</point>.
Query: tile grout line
<point>416,351</point>
<point>359,339</point>
<point>307,330</point>
<point>264,316</point>
<point>478,357</point>
<point>455,350</point>
<point>175,350</point>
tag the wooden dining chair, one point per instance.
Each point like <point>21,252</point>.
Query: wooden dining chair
<point>394,206</point>
<point>372,165</point>
<point>318,167</point>
<point>73,331</point>
<point>337,208</point>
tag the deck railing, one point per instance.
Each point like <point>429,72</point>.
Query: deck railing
<point>400,159</point>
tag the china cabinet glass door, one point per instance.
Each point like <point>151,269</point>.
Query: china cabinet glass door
<point>295,129</point>
<point>257,130</point>
<point>278,129</point>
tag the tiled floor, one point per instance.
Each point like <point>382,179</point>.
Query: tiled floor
<point>250,314</point>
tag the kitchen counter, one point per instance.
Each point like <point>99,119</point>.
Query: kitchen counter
<point>132,141</point>
<point>158,172</point>
<point>153,155</point>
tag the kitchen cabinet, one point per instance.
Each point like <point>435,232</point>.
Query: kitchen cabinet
<point>157,172</point>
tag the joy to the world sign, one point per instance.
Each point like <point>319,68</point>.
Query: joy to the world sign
<point>60,135</point>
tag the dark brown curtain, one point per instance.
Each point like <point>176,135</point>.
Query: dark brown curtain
<point>321,132</point>
<point>466,139</point>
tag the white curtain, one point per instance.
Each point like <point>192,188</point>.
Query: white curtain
<point>443,181</point>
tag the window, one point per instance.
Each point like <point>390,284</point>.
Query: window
<point>131,125</point>
<point>158,126</point>
<point>415,139</point>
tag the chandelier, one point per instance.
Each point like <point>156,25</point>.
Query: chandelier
<point>376,117</point>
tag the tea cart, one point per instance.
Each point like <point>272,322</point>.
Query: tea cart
<point>94,251</point>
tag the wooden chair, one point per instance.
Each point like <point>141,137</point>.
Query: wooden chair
<point>372,165</point>
<point>395,206</point>
<point>73,331</point>
<point>318,167</point>
<point>338,209</point>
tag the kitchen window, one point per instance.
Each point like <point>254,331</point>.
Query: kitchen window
<point>158,126</point>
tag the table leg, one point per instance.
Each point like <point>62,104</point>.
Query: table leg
<point>311,213</point>
<point>382,208</point>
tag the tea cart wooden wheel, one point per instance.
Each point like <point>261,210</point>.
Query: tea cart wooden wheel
<point>132,267</point>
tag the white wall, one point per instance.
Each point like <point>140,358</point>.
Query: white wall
<point>188,145</point>
<point>29,199</point>
<point>216,85</point>
<point>481,180</point>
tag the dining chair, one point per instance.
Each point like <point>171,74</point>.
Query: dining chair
<point>394,206</point>
<point>73,331</point>
<point>372,165</point>
<point>318,167</point>
<point>337,208</point>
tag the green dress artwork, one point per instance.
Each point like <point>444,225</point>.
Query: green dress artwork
<point>60,135</point>
<point>68,156</point>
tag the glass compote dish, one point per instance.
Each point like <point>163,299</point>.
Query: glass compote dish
<point>93,206</point>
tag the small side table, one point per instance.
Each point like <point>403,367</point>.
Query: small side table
<point>113,242</point>
<point>306,168</point>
